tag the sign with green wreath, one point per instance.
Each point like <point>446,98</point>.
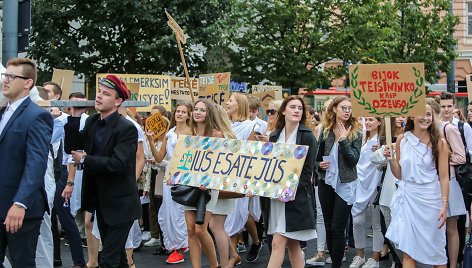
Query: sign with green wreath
<point>394,89</point>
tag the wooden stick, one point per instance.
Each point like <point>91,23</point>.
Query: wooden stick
<point>185,67</point>
<point>388,135</point>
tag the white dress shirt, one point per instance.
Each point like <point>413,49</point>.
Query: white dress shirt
<point>11,108</point>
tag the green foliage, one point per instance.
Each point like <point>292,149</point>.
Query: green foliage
<point>127,36</point>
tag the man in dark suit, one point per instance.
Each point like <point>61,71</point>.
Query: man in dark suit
<point>109,163</point>
<point>25,135</point>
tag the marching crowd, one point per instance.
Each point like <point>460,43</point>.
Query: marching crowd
<point>89,174</point>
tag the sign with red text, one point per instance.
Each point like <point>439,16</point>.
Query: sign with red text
<point>396,89</point>
<point>264,168</point>
<point>214,87</point>
<point>180,90</point>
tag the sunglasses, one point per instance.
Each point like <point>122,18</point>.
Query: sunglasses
<point>271,111</point>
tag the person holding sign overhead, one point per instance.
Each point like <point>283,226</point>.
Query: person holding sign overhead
<point>419,206</point>
<point>338,153</point>
<point>171,215</point>
<point>292,221</point>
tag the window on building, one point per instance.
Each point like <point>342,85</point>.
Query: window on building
<point>469,18</point>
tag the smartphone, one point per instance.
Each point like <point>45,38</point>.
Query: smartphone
<point>256,129</point>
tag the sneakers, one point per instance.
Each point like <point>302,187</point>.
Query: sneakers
<point>175,257</point>
<point>371,263</point>
<point>329,261</point>
<point>153,242</point>
<point>317,260</point>
<point>161,251</point>
<point>253,252</point>
<point>241,248</point>
<point>357,262</point>
<point>146,235</point>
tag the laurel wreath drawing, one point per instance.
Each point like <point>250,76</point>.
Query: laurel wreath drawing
<point>417,93</point>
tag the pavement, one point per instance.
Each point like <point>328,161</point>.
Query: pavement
<point>144,258</point>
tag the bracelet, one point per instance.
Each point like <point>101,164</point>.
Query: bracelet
<point>445,199</point>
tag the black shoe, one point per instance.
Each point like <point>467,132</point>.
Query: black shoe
<point>57,263</point>
<point>161,251</point>
<point>303,245</point>
<point>253,252</point>
<point>84,242</point>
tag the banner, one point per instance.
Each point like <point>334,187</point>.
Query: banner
<point>215,87</point>
<point>64,79</point>
<point>180,90</point>
<point>154,89</point>
<point>266,169</point>
<point>156,124</point>
<point>396,89</point>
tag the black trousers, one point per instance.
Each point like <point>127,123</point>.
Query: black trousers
<point>336,213</point>
<point>21,245</point>
<point>113,239</point>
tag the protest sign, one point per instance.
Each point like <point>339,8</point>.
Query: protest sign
<point>266,169</point>
<point>214,87</point>
<point>396,89</point>
<point>180,90</point>
<point>156,124</point>
<point>266,94</point>
<point>154,89</point>
<point>64,79</point>
<point>468,79</point>
<point>239,87</point>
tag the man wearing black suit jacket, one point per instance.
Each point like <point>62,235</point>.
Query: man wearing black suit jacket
<point>109,164</point>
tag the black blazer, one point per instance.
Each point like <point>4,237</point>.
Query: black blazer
<point>299,213</point>
<point>109,181</point>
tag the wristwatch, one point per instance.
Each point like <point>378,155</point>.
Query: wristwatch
<point>70,183</point>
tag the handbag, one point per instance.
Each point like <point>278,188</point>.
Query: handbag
<point>187,195</point>
<point>467,262</point>
<point>464,171</point>
<point>379,188</point>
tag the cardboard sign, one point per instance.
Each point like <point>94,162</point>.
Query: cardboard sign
<point>156,124</point>
<point>265,88</point>
<point>396,89</point>
<point>215,87</point>
<point>179,33</point>
<point>266,169</point>
<point>180,89</point>
<point>468,79</point>
<point>154,89</point>
<point>266,94</point>
<point>64,79</point>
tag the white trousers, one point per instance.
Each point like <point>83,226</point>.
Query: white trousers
<point>359,225</point>
<point>45,246</point>
<point>320,227</point>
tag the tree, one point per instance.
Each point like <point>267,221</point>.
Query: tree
<point>279,41</point>
<point>377,31</point>
<point>127,36</point>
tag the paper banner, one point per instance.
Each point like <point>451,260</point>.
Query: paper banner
<point>180,90</point>
<point>266,169</point>
<point>64,79</point>
<point>215,87</point>
<point>156,124</point>
<point>468,79</point>
<point>396,89</point>
<point>154,89</point>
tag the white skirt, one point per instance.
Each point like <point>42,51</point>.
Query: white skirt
<point>236,221</point>
<point>277,224</point>
<point>224,207</point>
<point>415,209</point>
<point>171,218</point>
<point>456,205</point>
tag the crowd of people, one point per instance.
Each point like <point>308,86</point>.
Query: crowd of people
<point>90,174</point>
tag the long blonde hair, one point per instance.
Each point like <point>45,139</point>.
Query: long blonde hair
<point>243,108</point>
<point>330,119</point>
<point>222,122</point>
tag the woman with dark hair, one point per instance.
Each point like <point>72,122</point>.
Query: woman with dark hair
<point>292,221</point>
<point>419,206</point>
<point>336,164</point>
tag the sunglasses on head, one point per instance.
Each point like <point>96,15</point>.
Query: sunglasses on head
<point>271,111</point>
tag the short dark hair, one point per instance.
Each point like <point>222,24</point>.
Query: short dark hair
<point>447,96</point>
<point>78,95</point>
<point>55,88</point>
<point>28,68</point>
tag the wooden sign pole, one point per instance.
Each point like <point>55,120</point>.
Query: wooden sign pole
<point>388,134</point>
<point>187,77</point>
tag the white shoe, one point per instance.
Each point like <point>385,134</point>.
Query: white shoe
<point>371,263</point>
<point>357,262</point>
<point>153,242</point>
<point>146,236</point>
<point>329,261</point>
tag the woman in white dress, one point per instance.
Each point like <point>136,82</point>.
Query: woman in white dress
<point>419,206</point>
<point>237,109</point>
<point>293,221</point>
<point>171,215</point>
<point>198,237</point>
<point>368,178</point>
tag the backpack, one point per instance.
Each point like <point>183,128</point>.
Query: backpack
<point>464,171</point>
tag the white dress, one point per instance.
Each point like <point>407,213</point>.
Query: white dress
<point>368,178</point>
<point>277,209</point>
<point>171,216</point>
<point>416,205</point>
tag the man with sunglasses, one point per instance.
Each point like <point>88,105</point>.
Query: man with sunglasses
<point>25,135</point>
